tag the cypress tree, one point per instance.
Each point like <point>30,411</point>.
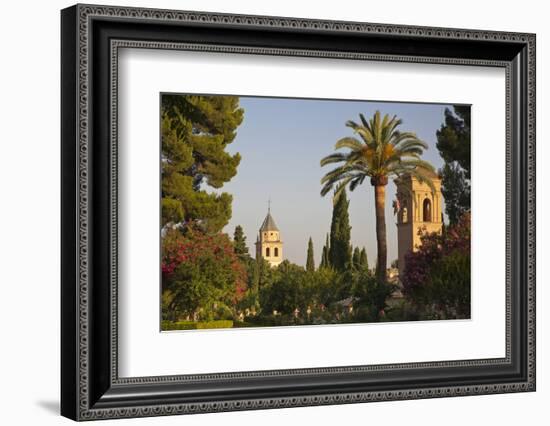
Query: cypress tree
<point>356,258</point>
<point>363,261</point>
<point>310,263</point>
<point>324,257</point>
<point>340,233</point>
<point>239,243</point>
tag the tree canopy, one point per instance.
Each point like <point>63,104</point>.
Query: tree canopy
<point>438,273</point>
<point>453,138</point>
<point>325,262</point>
<point>195,133</point>
<point>239,243</point>
<point>201,275</point>
<point>453,143</point>
<point>339,252</point>
<point>363,260</point>
<point>310,262</point>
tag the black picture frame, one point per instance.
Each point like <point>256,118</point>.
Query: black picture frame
<point>90,386</point>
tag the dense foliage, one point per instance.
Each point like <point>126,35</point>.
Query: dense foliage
<point>325,262</point>
<point>359,259</point>
<point>437,276</point>
<point>202,277</point>
<point>195,133</point>
<point>456,191</point>
<point>239,243</point>
<point>454,145</point>
<point>453,139</point>
<point>339,251</point>
<point>310,261</point>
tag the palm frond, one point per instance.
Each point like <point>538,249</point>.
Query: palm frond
<point>379,149</point>
<point>402,137</point>
<point>350,143</point>
<point>405,144</point>
<point>334,173</point>
<point>339,190</point>
<point>333,158</point>
<point>329,185</point>
<point>356,181</point>
<point>416,163</point>
<point>365,122</point>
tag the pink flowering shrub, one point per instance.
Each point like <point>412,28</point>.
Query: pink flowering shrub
<point>202,277</point>
<point>437,275</point>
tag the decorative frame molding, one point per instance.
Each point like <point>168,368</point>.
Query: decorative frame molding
<point>91,37</point>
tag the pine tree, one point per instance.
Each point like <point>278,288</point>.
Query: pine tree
<point>456,191</point>
<point>363,261</point>
<point>340,232</point>
<point>453,144</point>
<point>195,133</point>
<point>453,138</point>
<point>310,263</point>
<point>239,243</point>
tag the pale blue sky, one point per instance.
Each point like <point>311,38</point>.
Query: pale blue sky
<point>281,142</point>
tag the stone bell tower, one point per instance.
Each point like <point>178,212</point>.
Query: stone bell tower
<point>418,210</point>
<point>269,244</point>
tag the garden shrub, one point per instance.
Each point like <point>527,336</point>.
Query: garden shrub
<point>437,276</point>
<point>195,325</point>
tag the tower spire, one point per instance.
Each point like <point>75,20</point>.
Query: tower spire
<point>269,245</point>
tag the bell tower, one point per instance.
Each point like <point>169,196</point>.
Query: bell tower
<point>418,210</point>
<point>268,244</point>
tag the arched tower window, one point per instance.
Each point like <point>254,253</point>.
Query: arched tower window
<point>276,252</point>
<point>404,213</point>
<point>267,252</point>
<point>427,210</point>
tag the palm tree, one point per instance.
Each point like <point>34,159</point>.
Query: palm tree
<point>381,152</point>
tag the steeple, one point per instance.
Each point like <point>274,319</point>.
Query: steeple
<point>269,245</point>
<point>269,223</point>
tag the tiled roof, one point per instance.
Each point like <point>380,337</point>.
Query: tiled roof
<point>268,224</point>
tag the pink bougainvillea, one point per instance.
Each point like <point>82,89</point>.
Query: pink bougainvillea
<point>198,249</point>
<point>434,247</point>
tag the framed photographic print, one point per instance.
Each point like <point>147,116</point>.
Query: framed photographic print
<point>263,212</point>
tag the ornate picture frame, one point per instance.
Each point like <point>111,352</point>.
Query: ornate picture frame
<point>91,38</point>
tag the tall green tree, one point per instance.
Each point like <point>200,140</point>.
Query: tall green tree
<point>285,292</point>
<point>363,260</point>
<point>196,131</point>
<point>453,143</point>
<point>453,138</point>
<point>356,258</point>
<point>340,233</point>
<point>456,191</point>
<point>381,151</point>
<point>310,262</point>
<point>201,276</point>
<point>239,243</point>
<point>325,262</point>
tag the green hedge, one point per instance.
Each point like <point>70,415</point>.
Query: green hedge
<point>195,325</point>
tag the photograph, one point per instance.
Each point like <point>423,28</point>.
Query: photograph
<point>265,208</point>
<point>296,211</point>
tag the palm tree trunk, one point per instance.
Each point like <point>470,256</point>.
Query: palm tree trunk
<point>380,202</point>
